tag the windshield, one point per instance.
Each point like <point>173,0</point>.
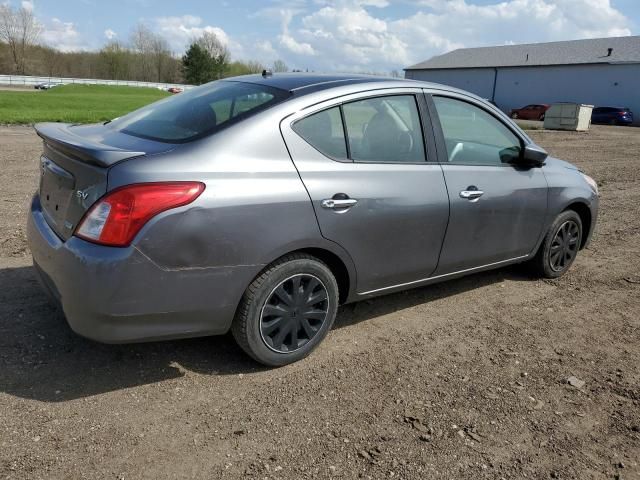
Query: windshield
<point>198,112</point>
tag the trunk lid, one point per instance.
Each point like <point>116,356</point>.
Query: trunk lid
<point>74,167</point>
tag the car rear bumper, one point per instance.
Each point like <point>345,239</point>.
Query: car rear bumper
<point>118,295</point>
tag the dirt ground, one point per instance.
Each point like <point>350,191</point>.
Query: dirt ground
<point>465,379</point>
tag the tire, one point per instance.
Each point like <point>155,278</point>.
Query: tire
<point>270,307</point>
<point>547,262</point>
<point>514,116</point>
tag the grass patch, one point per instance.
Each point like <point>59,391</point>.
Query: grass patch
<point>74,103</point>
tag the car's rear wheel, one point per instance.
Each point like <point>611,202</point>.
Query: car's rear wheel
<point>287,310</point>
<point>560,246</point>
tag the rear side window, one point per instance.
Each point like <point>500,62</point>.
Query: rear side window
<point>384,129</point>
<point>323,131</point>
<point>378,130</point>
<point>198,112</point>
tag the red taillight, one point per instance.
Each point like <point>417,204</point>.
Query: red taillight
<point>117,217</point>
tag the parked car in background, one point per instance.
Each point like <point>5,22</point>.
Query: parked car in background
<point>46,85</point>
<point>612,115</point>
<point>174,90</point>
<point>530,112</point>
<point>260,204</point>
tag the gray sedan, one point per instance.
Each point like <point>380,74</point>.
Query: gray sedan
<point>259,204</point>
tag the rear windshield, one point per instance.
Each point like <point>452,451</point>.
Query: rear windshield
<point>198,112</point>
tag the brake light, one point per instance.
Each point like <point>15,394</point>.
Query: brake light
<point>117,217</point>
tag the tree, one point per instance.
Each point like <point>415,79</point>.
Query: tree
<point>254,66</point>
<point>161,56</point>
<point>198,65</point>
<point>114,59</point>
<point>243,68</point>
<point>280,67</point>
<point>51,61</point>
<point>20,30</point>
<point>213,46</point>
<point>217,52</point>
<point>142,43</point>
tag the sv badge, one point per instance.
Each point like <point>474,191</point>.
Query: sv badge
<point>82,194</point>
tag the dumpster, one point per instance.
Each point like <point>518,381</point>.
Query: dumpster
<point>568,116</point>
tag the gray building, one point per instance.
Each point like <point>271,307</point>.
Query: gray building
<point>600,72</point>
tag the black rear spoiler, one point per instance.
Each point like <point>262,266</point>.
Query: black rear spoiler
<point>59,137</point>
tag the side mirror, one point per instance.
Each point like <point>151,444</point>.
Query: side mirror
<point>529,156</point>
<point>534,155</point>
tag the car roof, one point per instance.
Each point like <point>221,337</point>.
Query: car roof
<point>303,83</point>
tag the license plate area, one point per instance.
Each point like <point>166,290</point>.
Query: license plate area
<point>56,191</point>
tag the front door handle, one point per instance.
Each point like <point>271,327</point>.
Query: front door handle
<point>471,193</point>
<point>338,204</point>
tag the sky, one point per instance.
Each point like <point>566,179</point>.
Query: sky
<point>335,35</point>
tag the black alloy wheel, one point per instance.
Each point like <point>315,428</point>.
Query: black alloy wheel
<point>294,313</point>
<point>559,247</point>
<point>564,246</point>
<point>287,310</point>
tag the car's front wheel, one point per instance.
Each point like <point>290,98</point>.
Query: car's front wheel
<point>560,246</point>
<point>287,310</point>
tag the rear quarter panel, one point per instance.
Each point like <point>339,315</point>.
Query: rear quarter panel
<point>254,208</point>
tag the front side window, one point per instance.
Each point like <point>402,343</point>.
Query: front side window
<point>384,129</point>
<point>473,136</point>
<point>198,112</point>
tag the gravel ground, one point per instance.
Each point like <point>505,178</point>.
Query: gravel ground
<point>465,379</point>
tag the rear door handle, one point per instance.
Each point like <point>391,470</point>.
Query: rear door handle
<point>471,194</point>
<point>338,204</point>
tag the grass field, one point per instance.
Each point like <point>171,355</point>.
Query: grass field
<point>73,103</point>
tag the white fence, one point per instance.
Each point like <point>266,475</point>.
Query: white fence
<point>30,81</point>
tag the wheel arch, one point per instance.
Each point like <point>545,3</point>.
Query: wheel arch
<point>584,212</point>
<point>336,258</point>
<point>337,267</point>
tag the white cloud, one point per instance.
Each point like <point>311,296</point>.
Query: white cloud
<point>181,31</point>
<point>291,44</point>
<point>360,35</point>
<point>354,3</point>
<point>265,49</point>
<point>347,35</point>
<point>63,36</point>
<point>523,20</point>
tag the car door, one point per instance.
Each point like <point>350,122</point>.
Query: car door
<point>526,113</point>
<point>364,161</point>
<point>536,111</point>
<point>497,209</point>
<point>533,112</point>
<point>597,115</point>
